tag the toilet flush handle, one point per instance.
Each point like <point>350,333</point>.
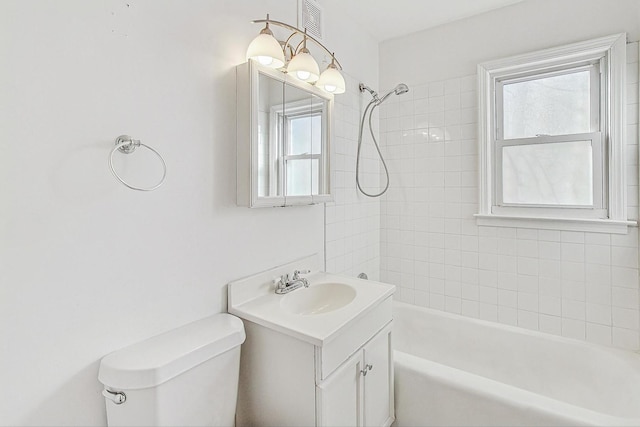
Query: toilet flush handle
<point>116,397</point>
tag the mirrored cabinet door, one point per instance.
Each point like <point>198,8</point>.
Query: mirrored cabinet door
<point>284,134</point>
<point>320,145</point>
<point>298,141</point>
<point>271,97</point>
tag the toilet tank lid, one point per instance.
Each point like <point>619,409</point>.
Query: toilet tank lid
<point>162,357</point>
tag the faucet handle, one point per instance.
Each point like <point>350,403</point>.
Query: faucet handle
<point>297,273</point>
<point>281,282</point>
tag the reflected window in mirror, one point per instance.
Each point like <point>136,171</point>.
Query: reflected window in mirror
<point>284,136</point>
<point>300,125</point>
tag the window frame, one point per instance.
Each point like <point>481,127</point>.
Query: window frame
<point>281,115</point>
<point>599,180</point>
<point>608,214</point>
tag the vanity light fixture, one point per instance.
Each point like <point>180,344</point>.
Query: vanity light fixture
<point>302,65</point>
<point>331,80</point>
<point>266,49</point>
<point>299,63</point>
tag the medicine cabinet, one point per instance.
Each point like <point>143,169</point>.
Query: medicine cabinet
<point>283,139</point>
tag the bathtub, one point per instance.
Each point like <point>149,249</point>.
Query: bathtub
<point>453,370</point>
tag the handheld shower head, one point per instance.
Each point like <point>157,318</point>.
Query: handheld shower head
<point>398,90</point>
<point>401,88</point>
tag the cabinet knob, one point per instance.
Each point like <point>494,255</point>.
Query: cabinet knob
<point>366,369</point>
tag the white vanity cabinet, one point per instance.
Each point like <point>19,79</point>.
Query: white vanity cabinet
<point>318,355</point>
<point>346,381</point>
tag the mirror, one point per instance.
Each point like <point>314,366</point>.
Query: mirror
<point>284,133</point>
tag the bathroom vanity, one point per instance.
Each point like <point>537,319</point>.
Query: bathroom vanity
<point>316,356</point>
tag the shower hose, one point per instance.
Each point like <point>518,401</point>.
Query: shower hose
<point>373,104</point>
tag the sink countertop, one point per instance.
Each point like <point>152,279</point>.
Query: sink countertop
<point>265,308</point>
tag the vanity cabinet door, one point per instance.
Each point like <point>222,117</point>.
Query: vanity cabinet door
<point>339,397</point>
<point>360,391</point>
<point>378,381</point>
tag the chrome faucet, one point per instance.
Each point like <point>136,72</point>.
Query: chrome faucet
<point>288,283</point>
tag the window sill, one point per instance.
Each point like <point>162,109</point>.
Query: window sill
<point>564,224</point>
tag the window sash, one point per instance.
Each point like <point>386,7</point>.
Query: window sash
<point>595,97</point>
<point>286,159</point>
<point>596,210</point>
<point>287,126</point>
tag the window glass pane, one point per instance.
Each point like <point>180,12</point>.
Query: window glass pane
<point>316,134</point>
<point>299,177</point>
<point>548,174</point>
<point>556,105</point>
<point>306,134</point>
<point>315,176</point>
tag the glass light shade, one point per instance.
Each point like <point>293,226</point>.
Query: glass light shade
<point>266,50</point>
<point>331,81</point>
<point>304,67</point>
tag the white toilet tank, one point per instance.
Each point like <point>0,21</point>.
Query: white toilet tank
<point>185,377</point>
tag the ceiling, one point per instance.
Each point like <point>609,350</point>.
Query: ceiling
<point>386,19</point>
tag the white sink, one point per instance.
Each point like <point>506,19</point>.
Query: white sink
<point>318,299</point>
<point>317,314</point>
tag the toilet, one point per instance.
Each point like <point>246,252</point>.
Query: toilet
<point>184,377</point>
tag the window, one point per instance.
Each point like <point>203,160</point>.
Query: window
<point>551,138</point>
<point>303,152</point>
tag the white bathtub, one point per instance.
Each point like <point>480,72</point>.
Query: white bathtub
<point>453,370</point>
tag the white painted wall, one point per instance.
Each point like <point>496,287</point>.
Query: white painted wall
<point>579,285</point>
<point>455,49</point>
<point>88,266</point>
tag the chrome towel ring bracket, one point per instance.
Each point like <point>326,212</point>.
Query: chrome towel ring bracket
<point>127,145</point>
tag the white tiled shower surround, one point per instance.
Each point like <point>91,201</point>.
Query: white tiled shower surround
<point>575,284</point>
<point>352,221</point>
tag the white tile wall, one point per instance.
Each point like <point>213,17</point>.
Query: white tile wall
<point>352,221</point>
<point>574,284</point>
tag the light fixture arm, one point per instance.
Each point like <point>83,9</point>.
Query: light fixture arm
<point>302,42</point>
<point>287,42</point>
<point>296,31</point>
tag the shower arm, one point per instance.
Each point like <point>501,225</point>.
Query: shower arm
<point>296,31</point>
<point>373,93</point>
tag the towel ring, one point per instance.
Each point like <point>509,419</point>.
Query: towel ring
<point>127,145</point>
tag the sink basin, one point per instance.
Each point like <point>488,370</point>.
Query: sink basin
<point>318,299</point>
